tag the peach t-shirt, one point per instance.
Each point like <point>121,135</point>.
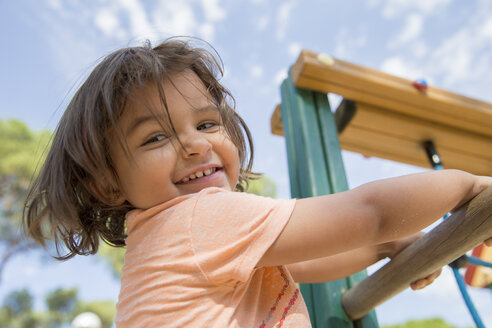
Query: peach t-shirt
<point>190,262</point>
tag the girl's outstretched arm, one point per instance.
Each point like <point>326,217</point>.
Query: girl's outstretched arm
<point>347,263</point>
<point>374,213</point>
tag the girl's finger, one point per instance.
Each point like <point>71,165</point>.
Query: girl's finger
<point>424,282</point>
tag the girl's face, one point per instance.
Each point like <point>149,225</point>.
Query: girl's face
<point>159,168</point>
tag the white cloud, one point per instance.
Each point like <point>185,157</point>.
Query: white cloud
<point>347,45</point>
<point>419,49</point>
<point>213,11</point>
<point>410,36</point>
<point>30,271</point>
<point>108,22</point>
<point>54,4</point>
<point>206,31</point>
<point>412,28</point>
<point>256,71</point>
<point>399,66</point>
<point>262,23</point>
<point>294,49</point>
<point>175,18</point>
<point>373,3</point>
<point>283,18</point>
<point>71,52</point>
<point>486,29</point>
<point>465,55</point>
<point>280,76</point>
<point>140,26</point>
<point>394,8</point>
<point>460,62</point>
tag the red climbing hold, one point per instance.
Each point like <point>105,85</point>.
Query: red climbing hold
<point>420,85</point>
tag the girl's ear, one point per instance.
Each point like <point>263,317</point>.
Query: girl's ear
<point>107,192</point>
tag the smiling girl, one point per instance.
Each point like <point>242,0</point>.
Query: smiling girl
<point>151,155</point>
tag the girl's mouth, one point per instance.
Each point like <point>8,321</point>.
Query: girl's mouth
<point>198,175</point>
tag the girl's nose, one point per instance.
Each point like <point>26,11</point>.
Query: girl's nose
<point>195,145</point>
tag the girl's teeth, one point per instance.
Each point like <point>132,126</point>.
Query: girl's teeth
<point>199,174</point>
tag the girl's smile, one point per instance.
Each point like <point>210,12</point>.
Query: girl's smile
<point>162,164</point>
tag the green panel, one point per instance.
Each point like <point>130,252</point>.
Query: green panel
<point>331,145</point>
<point>338,180</point>
<point>306,289</point>
<point>300,115</point>
<point>307,141</point>
<point>316,168</point>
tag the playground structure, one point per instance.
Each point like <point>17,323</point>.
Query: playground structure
<point>392,118</point>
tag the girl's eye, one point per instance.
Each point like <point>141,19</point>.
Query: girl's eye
<point>156,138</point>
<point>206,125</point>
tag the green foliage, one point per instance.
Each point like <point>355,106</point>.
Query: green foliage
<point>63,306</point>
<point>20,153</point>
<point>262,187</point>
<point>20,149</point>
<point>105,310</point>
<point>427,323</point>
<point>62,300</point>
<point>17,302</point>
<point>114,256</point>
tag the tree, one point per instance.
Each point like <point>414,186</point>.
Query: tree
<point>105,310</point>
<point>62,300</point>
<point>20,153</point>
<point>18,302</point>
<point>17,311</point>
<point>63,305</point>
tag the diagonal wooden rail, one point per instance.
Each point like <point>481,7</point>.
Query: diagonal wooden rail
<point>466,228</point>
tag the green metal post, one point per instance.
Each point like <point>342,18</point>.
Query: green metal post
<point>316,168</point>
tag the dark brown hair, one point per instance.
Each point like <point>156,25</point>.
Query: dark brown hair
<point>61,204</point>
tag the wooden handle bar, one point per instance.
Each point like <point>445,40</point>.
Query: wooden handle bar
<point>465,229</point>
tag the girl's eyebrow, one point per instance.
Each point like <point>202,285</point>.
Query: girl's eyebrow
<point>141,120</point>
<point>207,108</point>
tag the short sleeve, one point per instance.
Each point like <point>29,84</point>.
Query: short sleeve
<point>230,232</point>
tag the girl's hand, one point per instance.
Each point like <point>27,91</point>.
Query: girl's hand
<point>424,282</point>
<point>398,245</point>
<point>488,242</point>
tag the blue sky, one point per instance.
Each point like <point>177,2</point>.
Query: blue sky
<point>50,45</point>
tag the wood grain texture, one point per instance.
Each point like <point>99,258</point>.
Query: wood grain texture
<point>379,89</point>
<point>465,229</point>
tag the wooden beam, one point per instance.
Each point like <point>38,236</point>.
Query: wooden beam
<point>378,132</point>
<point>465,229</point>
<point>276,124</point>
<point>383,90</point>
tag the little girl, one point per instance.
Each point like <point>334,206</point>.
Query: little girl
<point>151,155</point>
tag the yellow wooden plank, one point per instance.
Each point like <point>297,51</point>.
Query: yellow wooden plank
<point>375,144</point>
<point>458,149</point>
<point>416,130</point>
<point>276,122</point>
<point>391,92</point>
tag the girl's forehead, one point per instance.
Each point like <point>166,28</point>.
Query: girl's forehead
<point>172,94</point>
<point>185,86</point>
